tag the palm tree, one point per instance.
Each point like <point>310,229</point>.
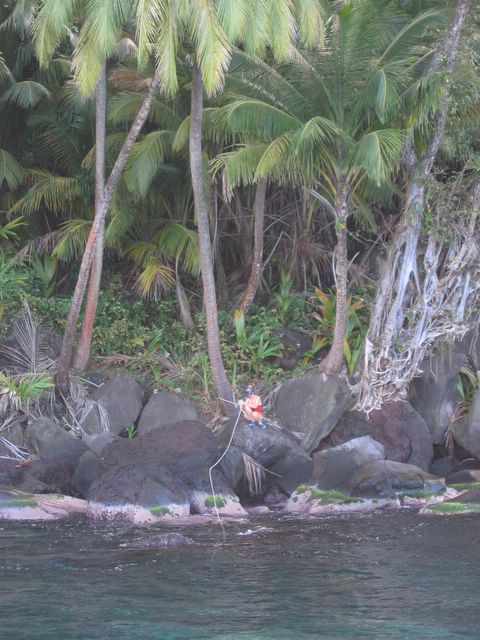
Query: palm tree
<point>329,122</point>
<point>212,28</point>
<point>98,37</point>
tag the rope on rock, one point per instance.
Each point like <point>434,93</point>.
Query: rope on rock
<point>218,462</point>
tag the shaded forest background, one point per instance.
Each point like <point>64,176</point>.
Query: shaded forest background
<point>320,159</point>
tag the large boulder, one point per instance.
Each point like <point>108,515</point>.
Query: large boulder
<point>276,451</point>
<point>163,409</point>
<point>120,400</point>
<point>128,486</point>
<point>467,430</point>
<point>163,471</point>
<point>397,426</point>
<point>334,468</point>
<point>434,394</point>
<point>51,442</point>
<point>14,432</point>
<point>312,405</point>
<point>384,478</point>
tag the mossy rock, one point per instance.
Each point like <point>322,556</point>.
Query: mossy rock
<point>17,502</point>
<point>211,501</point>
<point>159,511</point>
<point>302,488</point>
<point>332,497</point>
<point>419,493</point>
<point>461,486</point>
<point>454,507</point>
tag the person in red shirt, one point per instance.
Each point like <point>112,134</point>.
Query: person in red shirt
<point>252,408</point>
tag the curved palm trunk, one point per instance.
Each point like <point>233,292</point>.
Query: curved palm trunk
<point>206,260</point>
<point>258,234</point>
<point>82,355</point>
<point>64,360</point>
<point>333,362</point>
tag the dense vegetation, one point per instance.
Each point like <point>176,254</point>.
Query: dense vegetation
<point>204,173</point>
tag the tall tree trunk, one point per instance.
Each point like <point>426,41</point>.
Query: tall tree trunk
<point>201,208</point>
<point>65,358</point>
<point>258,235</point>
<point>219,269</point>
<point>386,374</point>
<point>82,354</point>
<point>333,362</point>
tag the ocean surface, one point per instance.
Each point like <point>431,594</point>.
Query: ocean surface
<point>386,576</point>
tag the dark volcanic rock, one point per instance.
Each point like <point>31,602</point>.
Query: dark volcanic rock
<point>164,409</point>
<point>397,426</point>
<point>313,405</point>
<point>122,400</point>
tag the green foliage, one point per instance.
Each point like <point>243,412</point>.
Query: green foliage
<point>256,346</point>
<point>467,384</point>
<point>284,298</point>
<point>45,269</point>
<point>356,325</point>
<point>21,394</point>
<point>131,431</point>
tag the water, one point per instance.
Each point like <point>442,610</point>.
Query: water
<point>388,576</point>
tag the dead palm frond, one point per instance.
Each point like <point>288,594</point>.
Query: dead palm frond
<point>254,474</point>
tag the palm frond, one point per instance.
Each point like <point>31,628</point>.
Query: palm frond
<point>11,171</point>
<point>126,50</point>
<point>49,26</point>
<point>124,106</point>
<point>113,144</point>
<point>282,29</point>
<point>259,119</point>
<point>211,44</point>
<point>26,94</point>
<point>146,159</point>
<point>72,241</point>
<point>233,16</point>
<point>178,242</point>
<point>378,152</point>
<point>97,39</point>
<point>155,279</point>
<point>148,17</point>
<point>310,15</point>
<point>167,44</point>
<point>238,167</point>
<point>54,192</point>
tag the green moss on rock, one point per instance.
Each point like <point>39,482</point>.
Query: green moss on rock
<point>17,502</point>
<point>331,497</point>
<point>455,507</point>
<point>159,511</point>
<point>302,488</point>
<point>212,500</point>
<point>465,485</point>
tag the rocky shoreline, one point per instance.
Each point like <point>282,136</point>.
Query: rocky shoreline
<point>152,458</point>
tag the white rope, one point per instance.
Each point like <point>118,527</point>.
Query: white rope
<point>213,467</point>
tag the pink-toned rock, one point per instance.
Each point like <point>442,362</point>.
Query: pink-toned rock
<point>17,505</point>
<point>259,510</point>
<point>202,503</point>
<point>135,513</point>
